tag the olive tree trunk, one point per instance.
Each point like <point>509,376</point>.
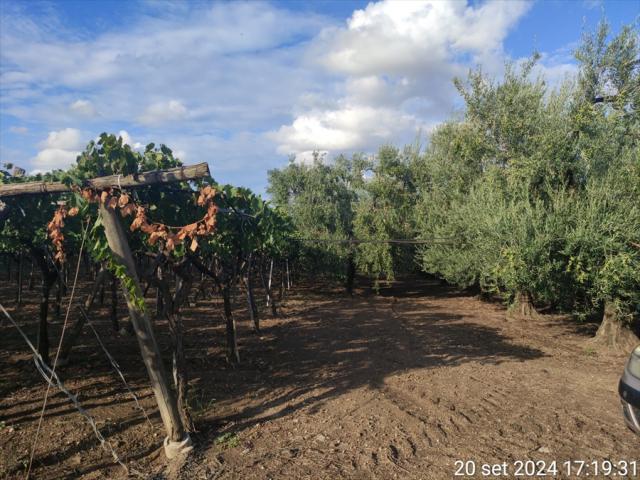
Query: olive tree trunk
<point>614,332</point>
<point>523,304</point>
<point>351,274</point>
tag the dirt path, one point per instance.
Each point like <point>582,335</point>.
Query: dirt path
<point>399,385</point>
<point>404,384</point>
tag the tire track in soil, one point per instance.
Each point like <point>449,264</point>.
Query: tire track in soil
<point>404,408</point>
<point>533,428</point>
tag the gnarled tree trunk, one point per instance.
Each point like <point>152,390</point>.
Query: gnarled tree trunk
<point>49,277</point>
<point>172,307</point>
<point>232,338</point>
<point>523,304</point>
<point>614,332</point>
<point>351,274</point>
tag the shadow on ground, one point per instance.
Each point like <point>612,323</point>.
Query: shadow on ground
<point>326,345</point>
<point>349,343</point>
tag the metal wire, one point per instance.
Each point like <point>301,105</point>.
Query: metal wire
<point>55,361</point>
<point>112,360</point>
<point>116,367</point>
<point>401,241</point>
<point>53,380</point>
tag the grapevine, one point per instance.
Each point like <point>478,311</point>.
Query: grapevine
<point>54,230</point>
<point>171,236</point>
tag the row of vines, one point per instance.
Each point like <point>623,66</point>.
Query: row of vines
<point>189,239</point>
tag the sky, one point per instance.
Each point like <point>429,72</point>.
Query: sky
<point>246,85</point>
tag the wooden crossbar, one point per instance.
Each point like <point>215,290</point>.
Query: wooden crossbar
<point>178,174</point>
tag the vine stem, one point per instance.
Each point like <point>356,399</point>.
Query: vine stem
<point>55,361</point>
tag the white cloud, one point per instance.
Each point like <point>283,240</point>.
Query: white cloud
<point>344,129</point>
<point>127,140</point>
<point>53,158</point>
<point>83,108</point>
<point>161,112</point>
<point>180,154</point>
<point>396,61</point>
<point>242,153</point>
<point>555,73</point>
<point>19,130</point>
<point>244,156</point>
<point>405,37</point>
<point>59,150</point>
<point>242,84</point>
<point>556,67</point>
<point>591,4</point>
<point>66,139</point>
<point>224,65</point>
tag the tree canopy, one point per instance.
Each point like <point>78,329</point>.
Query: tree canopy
<point>530,195</point>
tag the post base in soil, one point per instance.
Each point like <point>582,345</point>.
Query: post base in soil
<point>175,449</point>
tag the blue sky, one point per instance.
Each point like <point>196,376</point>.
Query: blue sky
<point>244,85</point>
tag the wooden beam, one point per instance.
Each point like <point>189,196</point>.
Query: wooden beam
<point>117,239</point>
<point>178,174</point>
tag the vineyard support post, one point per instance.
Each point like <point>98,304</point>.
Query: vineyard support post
<point>281,290</point>
<point>269,284</point>
<point>253,309</point>
<point>31,277</point>
<point>288,276</point>
<point>177,440</point>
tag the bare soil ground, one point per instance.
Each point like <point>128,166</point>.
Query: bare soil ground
<point>396,385</point>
